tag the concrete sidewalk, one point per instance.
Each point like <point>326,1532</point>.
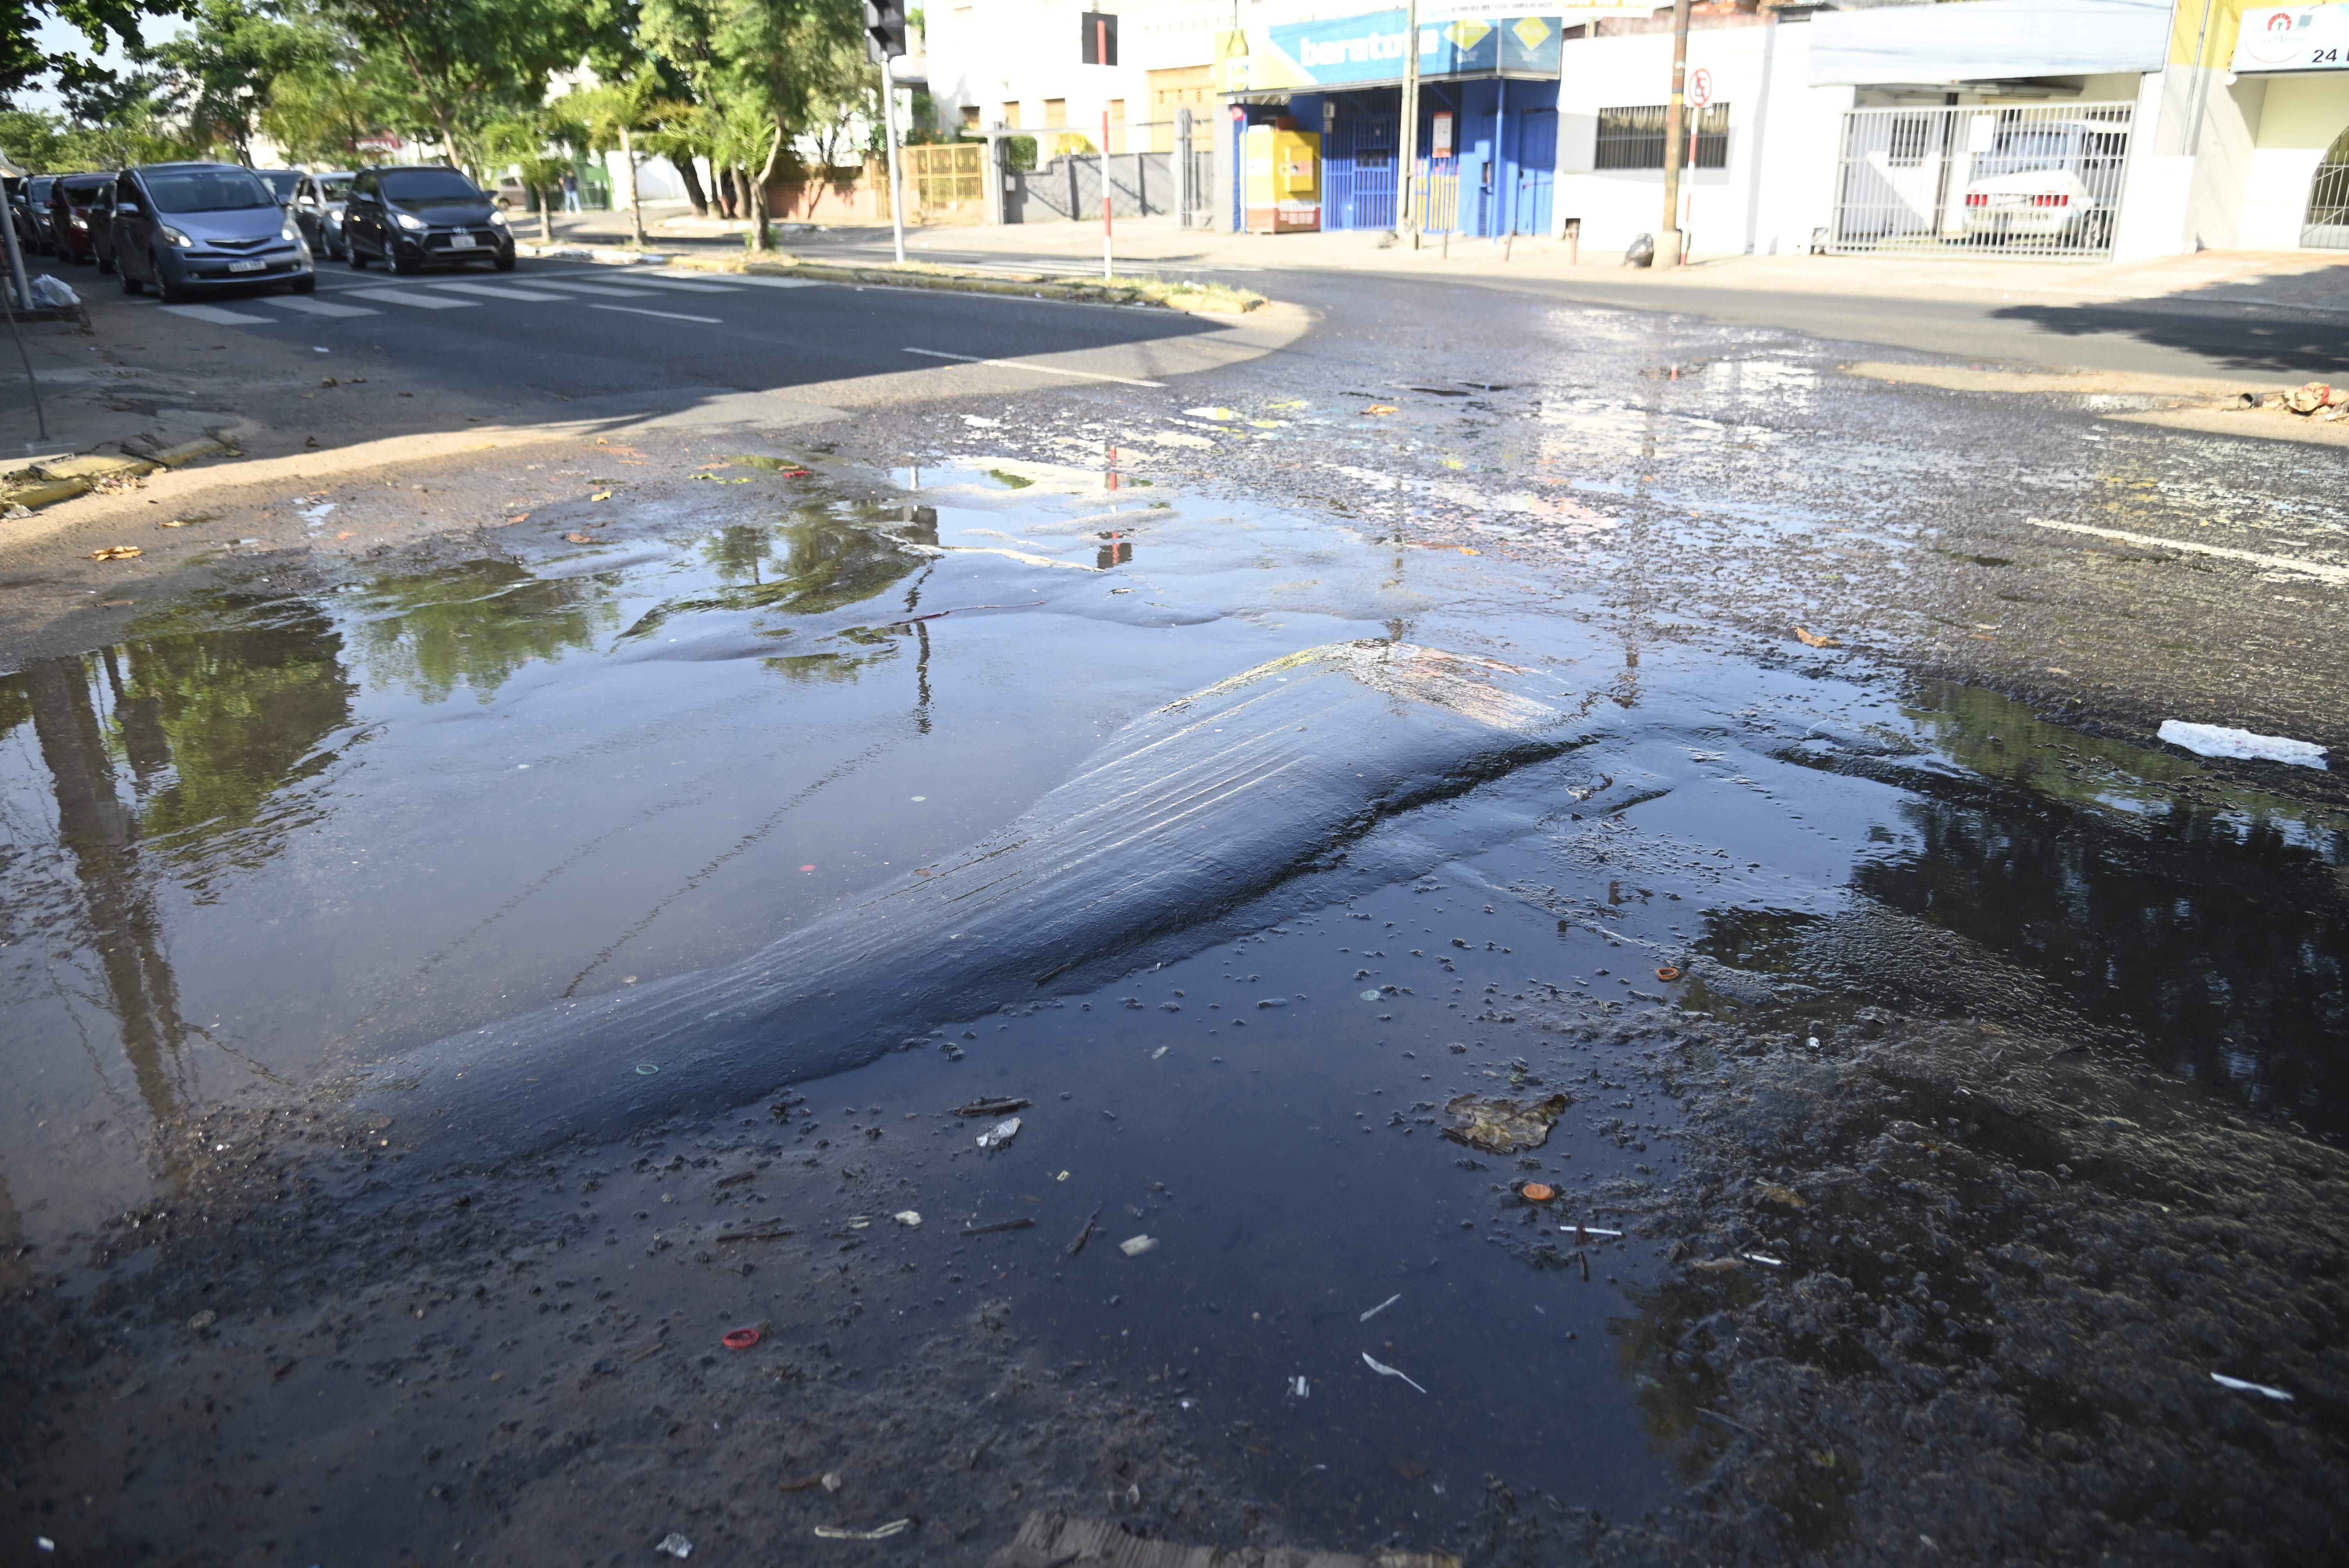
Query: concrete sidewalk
<point>2295,279</point>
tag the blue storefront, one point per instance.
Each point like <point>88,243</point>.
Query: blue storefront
<point>1488,145</point>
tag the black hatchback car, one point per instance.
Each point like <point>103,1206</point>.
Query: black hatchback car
<point>187,228</point>
<point>409,215</point>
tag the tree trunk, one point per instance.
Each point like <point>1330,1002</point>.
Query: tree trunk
<point>693,192</point>
<point>728,204</point>
<point>760,240</point>
<point>546,215</point>
<point>636,206</point>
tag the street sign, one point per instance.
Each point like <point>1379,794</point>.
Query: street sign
<point>1700,88</point>
<point>1098,45</point>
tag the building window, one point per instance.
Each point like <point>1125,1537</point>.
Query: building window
<point>1056,113</point>
<point>970,116</point>
<point>1633,138</point>
<point>1011,116</point>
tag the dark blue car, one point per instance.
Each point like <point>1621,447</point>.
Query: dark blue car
<point>195,228</point>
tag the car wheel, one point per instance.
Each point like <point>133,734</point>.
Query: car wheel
<point>406,266</point>
<point>351,255</point>
<point>504,263</point>
<point>166,291</point>
<point>307,284</point>
<point>132,286</point>
<point>105,265</point>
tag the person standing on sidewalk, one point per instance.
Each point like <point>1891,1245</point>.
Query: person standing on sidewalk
<point>570,192</point>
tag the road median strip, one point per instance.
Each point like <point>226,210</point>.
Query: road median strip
<point>1195,298</point>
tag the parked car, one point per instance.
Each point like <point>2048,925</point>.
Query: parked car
<point>70,201</point>
<point>282,182</point>
<point>318,209</point>
<point>101,227</point>
<point>192,228</point>
<point>37,206</point>
<point>2056,181</point>
<point>409,215</point>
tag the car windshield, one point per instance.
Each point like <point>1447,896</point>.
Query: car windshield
<point>39,189</point>
<point>2027,151</point>
<point>208,191</point>
<point>283,182</point>
<point>430,185</point>
<point>84,195</point>
<point>335,187</point>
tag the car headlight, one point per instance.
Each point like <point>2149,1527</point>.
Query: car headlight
<point>80,221</point>
<point>173,236</point>
<point>409,221</point>
<point>290,229</point>
<point>497,218</point>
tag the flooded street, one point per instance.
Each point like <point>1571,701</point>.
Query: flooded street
<point>454,975</point>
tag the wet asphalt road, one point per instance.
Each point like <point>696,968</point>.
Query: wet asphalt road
<point>334,797</point>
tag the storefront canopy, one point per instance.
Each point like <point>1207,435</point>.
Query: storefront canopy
<point>1989,40</point>
<point>1368,51</point>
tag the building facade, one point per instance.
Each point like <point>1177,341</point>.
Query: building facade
<point>2058,128</point>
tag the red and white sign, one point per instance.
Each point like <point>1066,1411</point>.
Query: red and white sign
<point>385,143</point>
<point>2294,38</point>
<point>1700,88</point>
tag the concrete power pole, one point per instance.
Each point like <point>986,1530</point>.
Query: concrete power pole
<point>1668,234</point>
<point>1407,153</point>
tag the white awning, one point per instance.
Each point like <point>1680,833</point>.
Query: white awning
<point>1988,40</point>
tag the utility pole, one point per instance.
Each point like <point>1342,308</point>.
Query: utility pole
<point>897,185</point>
<point>1668,238</point>
<point>884,40</point>
<point>1407,154</point>
<point>1106,269</point>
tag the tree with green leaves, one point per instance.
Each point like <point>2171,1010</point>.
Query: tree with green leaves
<point>614,114</point>
<point>102,22</point>
<point>219,73</point>
<point>528,142</point>
<point>472,61</point>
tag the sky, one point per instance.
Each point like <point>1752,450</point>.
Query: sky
<point>57,37</point>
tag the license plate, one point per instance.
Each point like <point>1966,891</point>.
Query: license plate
<point>461,241</point>
<point>246,266</point>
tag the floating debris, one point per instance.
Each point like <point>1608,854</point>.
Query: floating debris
<point>1502,1126</point>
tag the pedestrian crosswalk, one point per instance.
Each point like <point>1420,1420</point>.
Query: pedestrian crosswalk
<point>648,290</point>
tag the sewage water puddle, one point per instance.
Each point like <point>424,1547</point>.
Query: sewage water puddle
<point>268,840</point>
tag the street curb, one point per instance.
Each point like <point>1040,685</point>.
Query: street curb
<point>952,282</point>
<point>604,256</point>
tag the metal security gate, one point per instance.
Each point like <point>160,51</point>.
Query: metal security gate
<point>2327,226</point>
<point>1537,167</point>
<point>2038,181</point>
<point>1358,173</point>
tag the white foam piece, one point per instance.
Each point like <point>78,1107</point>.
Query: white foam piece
<point>2217,740</point>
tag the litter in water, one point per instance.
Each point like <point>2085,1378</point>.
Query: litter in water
<point>114,553</point>
<point>2217,740</point>
<point>1022,1223</point>
<point>1383,1370</point>
<point>1669,972</point>
<point>842,1532</point>
<point>1001,1133</point>
<point>1379,1308</point>
<point>1811,639</point>
<point>1502,1126</point>
<point>909,1218</point>
<point>1536,1192</point>
<point>675,1545</point>
<point>2241,1387</point>
<point>1135,1246</point>
<point>1766,1262</point>
<point>1300,1388</point>
<point>741,1339</point>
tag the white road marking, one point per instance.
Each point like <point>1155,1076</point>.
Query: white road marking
<point>643,282</point>
<point>498,290</point>
<point>309,306</point>
<point>757,281</point>
<point>1038,369</point>
<point>664,314</point>
<point>215,313</point>
<point>569,287</point>
<point>2315,568</point>
<point>421,300</point>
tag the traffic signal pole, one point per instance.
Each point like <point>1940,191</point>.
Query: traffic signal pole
<point>1107,270</point>
<point>897,185</point>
